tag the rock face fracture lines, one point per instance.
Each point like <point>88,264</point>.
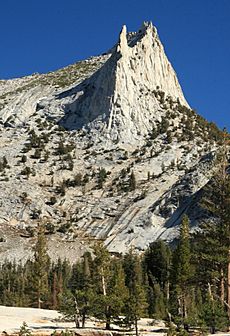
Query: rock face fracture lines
<point>119,98</point>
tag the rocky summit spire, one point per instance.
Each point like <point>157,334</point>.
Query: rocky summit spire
<point>120,99</point>
<point>122,46</point>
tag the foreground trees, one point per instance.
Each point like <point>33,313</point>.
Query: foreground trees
<point>121,290</point>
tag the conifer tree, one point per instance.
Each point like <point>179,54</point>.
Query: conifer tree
<point>157,260</point>
<point>118,292</point>
<point>101,177</point>
<point>55,291</point>
<point>76,297</point>
<point>109,286</point>
<point>213,314</point>
<point>40,267</point>
<point>159,303</point>
<point>136,305</point>
<point>84,290</point>
<point>69,307</point>
<point>157,263</point>
<point>132,182</point>
<point>182,271</point>
<point>101,274</point>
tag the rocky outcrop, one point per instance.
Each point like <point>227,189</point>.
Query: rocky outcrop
<point>20,98</point>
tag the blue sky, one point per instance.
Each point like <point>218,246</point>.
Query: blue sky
<point>44,35</point>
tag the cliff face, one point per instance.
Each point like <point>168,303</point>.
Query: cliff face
<point>119,99</point>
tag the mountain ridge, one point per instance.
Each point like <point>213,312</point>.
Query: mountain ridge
<point>125,175</point>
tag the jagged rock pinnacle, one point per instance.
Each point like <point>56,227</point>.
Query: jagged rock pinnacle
<point>122,45</point>
<point>119,100</point>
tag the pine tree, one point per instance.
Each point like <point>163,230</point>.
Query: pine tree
<point>109,286</point>
<point>118,292</point>
<point>182,272</point>
<point>136,305</point>
<point>71,295</point>
<point>157,263</point>
<point>69,307</point>
<point>55,291</point>
<point>101,274</point>
<point>132,182</point>
<point>101,177</point>
<point>40,267</point>
<point>157,260</point>
<point>84,289</point>
<point>159,306</point>
<point>213,314</point>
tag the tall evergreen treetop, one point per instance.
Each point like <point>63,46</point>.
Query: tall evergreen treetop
<point>184,253</point>
<point>157,261</point>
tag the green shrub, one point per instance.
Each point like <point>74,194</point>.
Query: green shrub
<point>64,227</point>
<point>24,159</point>
<point>50,228</point>
<point>26,171</point>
